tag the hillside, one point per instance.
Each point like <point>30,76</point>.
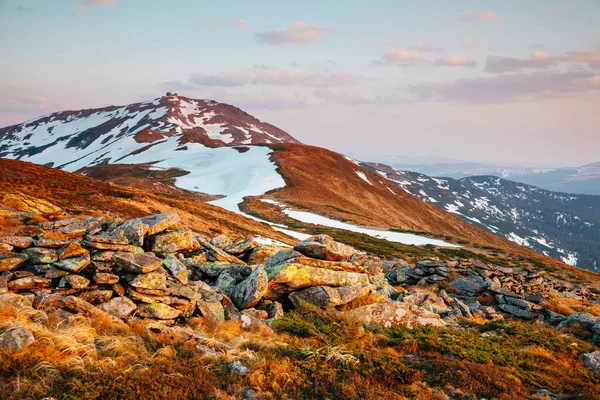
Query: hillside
<point>564,226</point>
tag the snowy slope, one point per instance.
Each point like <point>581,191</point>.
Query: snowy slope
<point>561,225</point>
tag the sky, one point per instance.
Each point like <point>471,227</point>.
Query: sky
<point>503,82</point>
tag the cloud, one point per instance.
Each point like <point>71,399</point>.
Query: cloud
<point>422,48</point>
<point>242,24</point>
<point>83,9</point>
<point>297,33</point>
<point>508,87</point>
<point>470,16</point>
<point>542,60</point>
<point>211,20</point>
<point>257,101</point>
<point>337,95</point>
<point>401,57</point>
<point>366,28</point>
<point>222,80</point>
<point>455,61</point>
<point>283,77</point>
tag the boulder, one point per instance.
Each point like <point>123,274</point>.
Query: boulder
<point>133,230</point>
<point>29,282</point>
<point>176,267</point>
<point>214,253</point>
<point>211,309</point>
<point>371,264</point>
<point>518,311</point>
<point>221,241</point>
<point>74,265</point>
<point>151,280</point>
<point>179,241</point>
<point>585,320</point>
<point>72,249</point>
<point>73,281</point>
<point>19,242</point>
<point>325,296</point>
<point>397,276</point>
<point>325,248</point>
<point>260,255</point>
<point>592,360</point>
<point>15,339</point>
<point>119,307</point>
<point>471,286</point>
<point>107,239</point>
<point>157,311</point>
<point>137,263</point>
<point>241,247</point>
<point>10,261</point>
<point>394,314</point>
<point>39,255</point>
<point>160,222</point>
<point>249,292</point>
<point>289,276</point>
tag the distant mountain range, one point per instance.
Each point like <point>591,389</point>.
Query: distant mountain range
<point>561,225</point>
<point>579,180</point>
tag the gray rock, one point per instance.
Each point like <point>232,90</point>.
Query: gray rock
<point>133,230</point>
<point>249,292</point>
<point>518,312</point>
<point>137,263</point>
<point>74,265</point>
<point>585,320</point>
<point>326,297</point>
<point>176,267</point>
<point>596,328</point>
<point>470,286</point>
<point>119,307</point>
<point>592,360</point>
<point>159,222</point>
<point>39,255</point>
<point>237,368</point>
<point>16,338</point>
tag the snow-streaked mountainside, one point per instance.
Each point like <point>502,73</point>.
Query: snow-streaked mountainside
<point>561,225</point>
<point>578,180</point>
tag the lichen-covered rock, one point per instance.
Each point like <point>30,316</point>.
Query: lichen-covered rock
<point>325,248</point>
<point>10,261</point>
<point>395,314</point>
<point>518,311</point>
<point>40,255</point>
<point>73,281</point>
<point>124,248</point>
<point>221,241</point>
<point>119,307</point>
<point>471,286</point>
<point>105,278</point>
<point>160,222</point>
<point>96,296</point>
<point>6,247</point>
<point>249,292</point>
<point>326,297</point>
<point>214,253</point>
<point>241,247</point>
<point>71,250</point>
<point>151,280</point>
<point>180,241</point>
<point>137,263</point>
<point>29,282</point>
<point>371,264</point>
<point>260,255</point>
<point>176,267</point>
<point>16,338</point>
<point>211,310</point>
<point>51,243</point>
<point>157,311</point>
<point>74,265</point>
<point>20,242</point>
<point>17,300</point>
<point>133,230</point>
<point>289,275</point>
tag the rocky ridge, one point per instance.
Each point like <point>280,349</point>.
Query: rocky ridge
<point>147,269</point>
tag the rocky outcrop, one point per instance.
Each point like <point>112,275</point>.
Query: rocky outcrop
<point>325,248</point>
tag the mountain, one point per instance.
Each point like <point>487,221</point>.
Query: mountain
<point>561,225</point>
<point>578,180</point>
<point>221,154</point>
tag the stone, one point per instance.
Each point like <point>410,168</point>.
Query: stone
<point>211,310</point>
<point>10,261</point>
<point>51,243</point>
<point>74,265</point>
<point>260,255</point>
<point>176,268</point>
<point>585,320</point>
<point>29,282</point>
<point>249,292</point>
<point>120,307</point>
<point>105,278</point>
<point>4,278</point>
<point>74,281</point>
<point>325,248</point>
<point>6,247</point>
<point>151,280</point>
<point>237,368</point>
<point>157,311</point>
<point>106,239</point>
<point>137,263</point>
<point>214,269</point>
<point>397,276</point>
<point>174,242</point>
<point>250,323</point>
<point>465,310</point>
<point>102,255</point>
<point>15,339</point>
<point>221,241</point>
<point>160,222</point>
<point>326,297</point>
<point>524,304</point>
<point>394,263</point>
<point>394,314</point>
<point>241,247</point>
<point>371,264</point>
<point>596,328</point>
<point>39,255</point>
<point>291,256</point>
<point>258,314</point>
<point>17,300</point>
<point>518,311</point>
<point>274,309</point>
<point>592,360</point>
<point>20,242</point>
<point>133,230</point>
<point>124,248</point>
<point>214,253</point>
<point>73,249</point>
<point>96,296</point>
<point>470,286</point>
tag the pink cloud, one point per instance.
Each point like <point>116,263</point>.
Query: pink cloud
<point>297,33</point>
<point>542,60</point>
<point>222,80</point>
<point>211,20</point>
<point>283,77</point>
<point>422,48</point>
<point>456,61</point>
<point>401,57</point>
<point>242,24</point>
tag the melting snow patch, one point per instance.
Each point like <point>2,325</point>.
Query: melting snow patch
<point>362,176</point>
